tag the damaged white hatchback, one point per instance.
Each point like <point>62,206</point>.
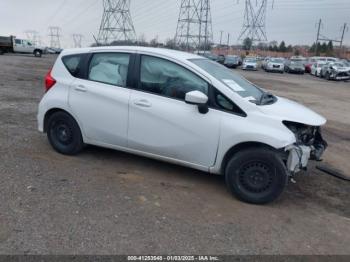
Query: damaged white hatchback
<point>180,108</point>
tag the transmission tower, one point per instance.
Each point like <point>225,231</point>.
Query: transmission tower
<point>77,38</point>
<point>54,34</point>
<point>194,26</point>
<point>33,37</point>
<point>254,25</point>
<point>116,24</point>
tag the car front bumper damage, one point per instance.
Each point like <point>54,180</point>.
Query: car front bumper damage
<point>299,155</point>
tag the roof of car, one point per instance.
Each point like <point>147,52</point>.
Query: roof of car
<point>161,51</point>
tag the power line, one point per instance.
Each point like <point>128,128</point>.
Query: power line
<point>55,34</point>
<point>254,25</point>
<point>116,24</point>
<point>77,39</point>
<point>194,27</point>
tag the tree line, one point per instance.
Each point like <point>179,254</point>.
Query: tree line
<point>324,48</point>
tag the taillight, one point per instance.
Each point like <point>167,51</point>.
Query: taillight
<point>49,81</point>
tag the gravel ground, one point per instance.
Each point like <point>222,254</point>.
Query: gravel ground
<point>108,202</point>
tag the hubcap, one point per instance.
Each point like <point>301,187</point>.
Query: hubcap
<point>63,133</point>
<point>255,177</point>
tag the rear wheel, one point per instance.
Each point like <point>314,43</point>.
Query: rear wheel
<point>64,134</point>
<point>37,53</point>
<point>256,176</point>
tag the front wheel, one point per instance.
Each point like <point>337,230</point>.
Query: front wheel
<point>64,134</point>
<point>256,176</point>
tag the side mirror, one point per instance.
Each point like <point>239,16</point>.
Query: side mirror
<point>199,99</point>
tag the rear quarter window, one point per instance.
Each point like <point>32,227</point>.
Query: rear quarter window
<point>72,63</point>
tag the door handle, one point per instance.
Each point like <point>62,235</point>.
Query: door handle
<point>81,88</point>
<point>142,103</point>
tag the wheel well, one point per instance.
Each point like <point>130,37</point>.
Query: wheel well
<point>50,113</point>
<point>37,50</point>
<point>242,146</point>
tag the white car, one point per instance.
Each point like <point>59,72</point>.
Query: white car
<point>275,65</point>
<point>250,63</point>
<point>316,68</point>
<point>180,108</point>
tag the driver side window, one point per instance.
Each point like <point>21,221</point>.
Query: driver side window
<point>160,76</point>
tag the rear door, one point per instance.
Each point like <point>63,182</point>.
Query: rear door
<point>100,100</point>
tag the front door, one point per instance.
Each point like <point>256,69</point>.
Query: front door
<point>161,123</point>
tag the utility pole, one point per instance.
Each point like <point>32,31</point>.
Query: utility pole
<point>77,39</point>
<point>228,43</point>
<point>54,34</point>
<point>343,33</point>
<point>194,25</point>
<point>254,25</point>
<point>318,35</point>
<point>116,24</point>
<point>221,37</point>
<point>33,37</point>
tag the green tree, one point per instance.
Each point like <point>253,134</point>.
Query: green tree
<point>324,48</point>
<point>296,52</point>
<point>330,49</point>
<point>312,48</point>
<point>282,47</point>
<point>247,44</point>
<point>290,48</point>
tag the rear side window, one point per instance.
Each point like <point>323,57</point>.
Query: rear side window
<point>72,62</point>
<point>109,68</point>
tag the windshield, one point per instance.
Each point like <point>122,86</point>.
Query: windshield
<point>297,62</point>
<point>234,81</point>
<point>231,58</point>
<point>250,60</point>
<point>276,60</point>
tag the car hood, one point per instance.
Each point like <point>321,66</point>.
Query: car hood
<point>289,110</point>
<point>341,69</point>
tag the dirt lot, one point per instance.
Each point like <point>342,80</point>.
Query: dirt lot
<point>107,202</point>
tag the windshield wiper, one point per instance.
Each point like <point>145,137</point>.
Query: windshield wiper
<point>266,99</point>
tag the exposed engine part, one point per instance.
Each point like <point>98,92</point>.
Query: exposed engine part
<point>298,157</point>
<point>309,145</point>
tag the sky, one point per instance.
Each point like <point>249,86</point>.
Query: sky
<point>294,21</point>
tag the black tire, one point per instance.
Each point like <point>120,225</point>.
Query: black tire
<point>327,76</point>
<point>37,53</point>
<point>256,176</point>
<point>64,134</point>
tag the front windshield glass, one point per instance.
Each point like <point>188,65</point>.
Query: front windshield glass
<point>234,81</point>
<point>250,60</point>
<point>276,60</point>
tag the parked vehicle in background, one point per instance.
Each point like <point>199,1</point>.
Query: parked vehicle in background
<point>221,59</point>
<point>317,67</point>
<point>250,63</point>
<point>275,65</point>
<point>264,62</point>
<point>12,44</point>
<point>335,71</point>
<point>232,61</point>
<point>134,99</point>
<point>53,50</point>
<point>295,65</point>
<point>309,63</point>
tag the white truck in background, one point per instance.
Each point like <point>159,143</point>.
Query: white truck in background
<point>11,44</point>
